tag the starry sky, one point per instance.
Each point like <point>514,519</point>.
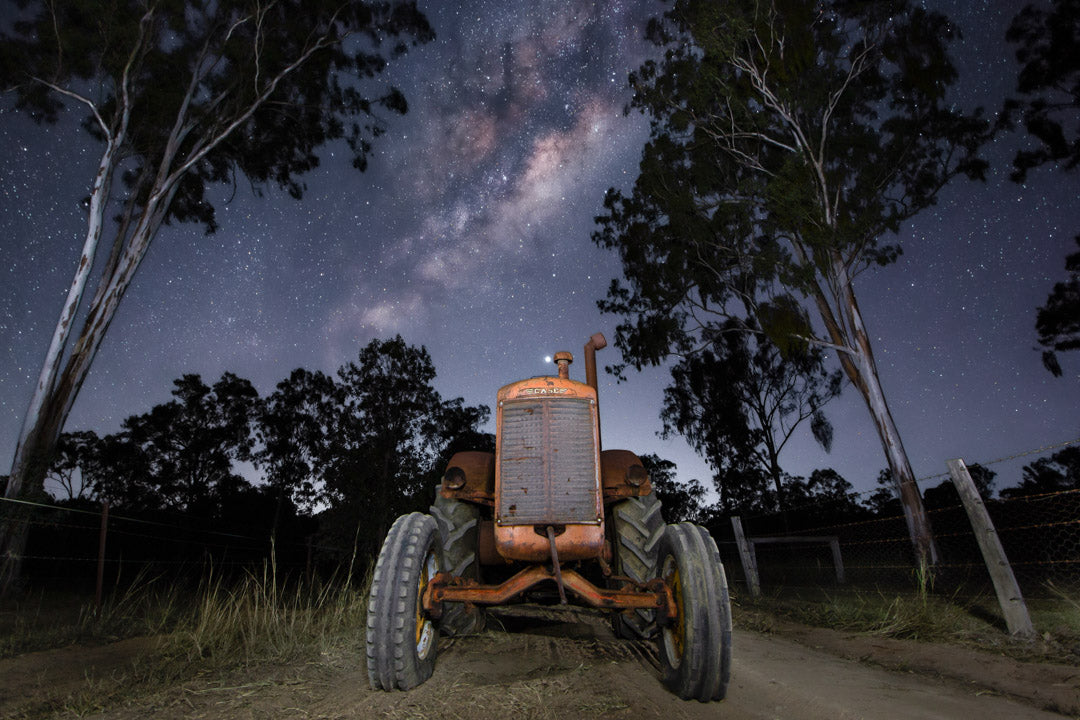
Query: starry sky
<point>470,234</point>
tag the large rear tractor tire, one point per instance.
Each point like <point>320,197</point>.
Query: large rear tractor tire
<point>695,645</point>
<point>638,526</point>
<point>401,640</point>
<point>459,529</point>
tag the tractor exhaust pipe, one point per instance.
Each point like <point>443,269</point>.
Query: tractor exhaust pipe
<point>596,342</point>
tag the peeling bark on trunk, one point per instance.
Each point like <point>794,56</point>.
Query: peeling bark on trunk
<point>869,385</point>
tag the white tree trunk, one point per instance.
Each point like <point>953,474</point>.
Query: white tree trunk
<point>869,386</point>
<point>50,367</point>
<point>56,392</point>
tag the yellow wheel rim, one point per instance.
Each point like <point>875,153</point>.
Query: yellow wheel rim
<point>675,635</point>
<point>680,620</point>
<point>425,629</point>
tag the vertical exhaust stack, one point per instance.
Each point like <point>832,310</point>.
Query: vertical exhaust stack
<point>563,360</point>
<point>596,342</point>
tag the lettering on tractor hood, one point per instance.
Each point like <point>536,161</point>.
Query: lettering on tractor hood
<point>544,391</point>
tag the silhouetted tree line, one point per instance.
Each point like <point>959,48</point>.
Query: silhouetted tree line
<point>825,498</point>
<point>329,460</point>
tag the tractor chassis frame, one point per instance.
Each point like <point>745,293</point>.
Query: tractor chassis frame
<point>654,595</point>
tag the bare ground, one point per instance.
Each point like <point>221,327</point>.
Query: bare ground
<point>545,663</point>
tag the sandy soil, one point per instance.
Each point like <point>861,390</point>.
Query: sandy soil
<point>545,663</point>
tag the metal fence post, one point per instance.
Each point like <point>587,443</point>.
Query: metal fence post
<point>1008,591</point>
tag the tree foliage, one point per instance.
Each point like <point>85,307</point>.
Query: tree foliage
<point>1058,321</point>
<point>293,429</point>
<point>1049,110</point>
<point>73,451</point>
<point>682,501</point>
<point>1057,473</point>
<point>1046,40</point>
<point>789,141</point>
<point>360,449</point>
<point>739,402</point>
<point>390,430</point>
<point>181,455</point>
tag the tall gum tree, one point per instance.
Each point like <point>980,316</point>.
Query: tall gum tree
<point>789,141</point>
<point>181,95</point>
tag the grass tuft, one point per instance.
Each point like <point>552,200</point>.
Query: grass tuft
<point>262,619</point>
<point>42,621</point>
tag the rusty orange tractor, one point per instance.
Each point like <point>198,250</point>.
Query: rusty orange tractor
<point>550,517</point>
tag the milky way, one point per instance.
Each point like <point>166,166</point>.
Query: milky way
<point>469,233</point>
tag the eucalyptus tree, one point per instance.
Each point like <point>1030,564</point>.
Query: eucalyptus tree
<point>790,140</point>
<point>181,96</point>
<point>741,399</point>
<point>682,500</point>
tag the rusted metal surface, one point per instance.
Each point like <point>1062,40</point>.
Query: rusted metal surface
<point>485,544</point>
<point>563,360</point>
<point>547,470</point>
<point>596,342</point>
<point>444,588</point>
<point>524,542</point>
<point>555,564</point>
<point>479,469</point>
<point>547,462</point>
<point>615,474</point>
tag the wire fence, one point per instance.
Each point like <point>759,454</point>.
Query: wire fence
<point>1039,533</point>
<point>67,544</point>
<point>840,544</point>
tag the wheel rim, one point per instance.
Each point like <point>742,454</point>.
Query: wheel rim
<point>674,635</point>
<point>425,628</point>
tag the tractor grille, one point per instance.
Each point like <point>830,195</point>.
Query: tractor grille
<point>547,462</point>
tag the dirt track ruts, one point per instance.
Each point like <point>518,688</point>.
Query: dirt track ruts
<point>542,663</point>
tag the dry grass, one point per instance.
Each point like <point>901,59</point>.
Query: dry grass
<point>925,616</point>
<point>41,621</point>
<point>256,620</point>
<point>260,619</point>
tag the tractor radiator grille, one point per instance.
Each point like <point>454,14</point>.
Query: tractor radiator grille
<point>547,462</point>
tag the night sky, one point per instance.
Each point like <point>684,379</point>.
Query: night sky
<point>470,234</point>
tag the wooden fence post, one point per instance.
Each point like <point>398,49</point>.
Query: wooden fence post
<point>1008,592</point>
<point>748,557</point>
<point>837,558</point>
<point>101,553</point>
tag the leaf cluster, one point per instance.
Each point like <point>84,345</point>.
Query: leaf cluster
<point>739,402</point>
<point>1048,49</point>
<point>180,73</point>
<point>1058,322</point>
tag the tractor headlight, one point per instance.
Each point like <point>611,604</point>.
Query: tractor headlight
<point>454,479</point>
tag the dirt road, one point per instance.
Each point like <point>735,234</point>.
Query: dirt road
<point>538,663</point>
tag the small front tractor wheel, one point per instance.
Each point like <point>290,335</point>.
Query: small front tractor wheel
<point>695,645</point>
<point>402,640</point>
<point>638,525</point>
<point>459,525</point>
